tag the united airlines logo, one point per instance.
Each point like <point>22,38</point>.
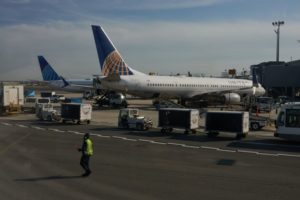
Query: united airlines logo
<point>114,64</point>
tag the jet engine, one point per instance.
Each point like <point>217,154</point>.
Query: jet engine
<point>232,98</point>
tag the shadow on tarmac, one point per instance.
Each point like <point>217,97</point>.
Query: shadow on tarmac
<point>268,144</point>
<point>48,178</point>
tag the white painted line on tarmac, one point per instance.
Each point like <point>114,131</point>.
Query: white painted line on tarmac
<point>104,136</point>
<point>289,155</point>
<point>129,139</point>
<point>211,148</point>
<point>93,134</point>
<point>72,131</point>
<point>56,130</point>
<point>267,154</point>
<point>245,151</point>
<point>227,150</point>
<point>6,124</point>
<point>143,140</point>
<point>76,132</point>
<point>154,142</point>
<point>118,137</point>
<point>38,128</point>
<point>175,144</point>
<point>190,146</point>
<point>22,126</point>
<point>267,144</point>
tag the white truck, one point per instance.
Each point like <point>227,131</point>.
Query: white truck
<point>31,102</point>
<point>11,97</point>
<point>288,122</point>
<point>46,112</point>
<point>130,118</point>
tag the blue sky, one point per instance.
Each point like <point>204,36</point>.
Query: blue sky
<point>164,36</point>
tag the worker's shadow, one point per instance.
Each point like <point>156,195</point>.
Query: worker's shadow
<point>48,178</point>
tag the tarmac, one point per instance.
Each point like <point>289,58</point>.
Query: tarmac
<point>39,160</point>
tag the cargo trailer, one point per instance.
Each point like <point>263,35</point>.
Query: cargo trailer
<point>76,112</point>
<point>235,122</point>
<point>181,118</point>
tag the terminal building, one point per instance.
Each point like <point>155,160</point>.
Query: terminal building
<point>279,78</point>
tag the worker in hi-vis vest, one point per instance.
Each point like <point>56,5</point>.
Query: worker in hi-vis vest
<point>87,152</point>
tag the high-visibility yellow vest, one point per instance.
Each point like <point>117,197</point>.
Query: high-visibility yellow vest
<point>89,147</point>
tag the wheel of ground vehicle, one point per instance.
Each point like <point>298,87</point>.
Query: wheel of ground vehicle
<point>78,122</point>
<point>170,130</point>
<point>186,132</point>
<point>194,131</point>
<point>88,122</point>
<point>140,127</point>
<point>254,126</point>
<point>63,121</point>
<point>163,130</point>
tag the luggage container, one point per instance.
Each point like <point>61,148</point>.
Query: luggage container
<point>187,119</point>
<point>76,112</point>
<point>227,121</point>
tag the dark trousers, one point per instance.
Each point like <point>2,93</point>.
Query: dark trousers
<point>85,163</point>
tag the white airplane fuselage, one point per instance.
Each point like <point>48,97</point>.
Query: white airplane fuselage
<point>181,86</point>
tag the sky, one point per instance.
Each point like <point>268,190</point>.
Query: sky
<point>161,36</point>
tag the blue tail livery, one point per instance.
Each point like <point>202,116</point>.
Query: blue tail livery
<point>48,72</point>
<point>66,83</point>
<point>111,62</point>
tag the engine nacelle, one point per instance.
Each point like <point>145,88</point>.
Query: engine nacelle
<point>232,98</point>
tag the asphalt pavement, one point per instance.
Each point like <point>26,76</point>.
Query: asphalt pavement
<point>39,160</point>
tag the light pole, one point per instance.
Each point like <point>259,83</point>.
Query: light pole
<point>278,24</point>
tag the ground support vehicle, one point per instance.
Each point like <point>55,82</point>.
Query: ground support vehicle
<point>57,98</point>
<point>112,99</point>
<point>76,112</point>
<point>257,123</point>
<point>235,122</point>
<point>288,122</point>
<point>46,112</point>
<point>31,102</point>
<point>11,97</point>
<point>181,118</point>
<point>129,118</point>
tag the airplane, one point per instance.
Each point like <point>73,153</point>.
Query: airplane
<point>119,76</point>
<point>56,81</point>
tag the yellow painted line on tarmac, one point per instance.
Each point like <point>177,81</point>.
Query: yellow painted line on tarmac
<point>14,143</point>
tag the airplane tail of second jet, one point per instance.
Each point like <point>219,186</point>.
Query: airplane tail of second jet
<point>110,59</point>
<point>48,72</point>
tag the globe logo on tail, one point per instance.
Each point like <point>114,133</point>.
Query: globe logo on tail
<point>114,64</point>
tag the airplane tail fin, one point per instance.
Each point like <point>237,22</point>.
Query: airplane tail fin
<point>66,83</point>
<point>48,72</point>
<point>110,59</point>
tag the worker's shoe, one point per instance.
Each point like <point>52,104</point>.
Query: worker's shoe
<point>86,173</point>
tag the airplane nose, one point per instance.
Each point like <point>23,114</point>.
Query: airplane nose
<point>262,90</point>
